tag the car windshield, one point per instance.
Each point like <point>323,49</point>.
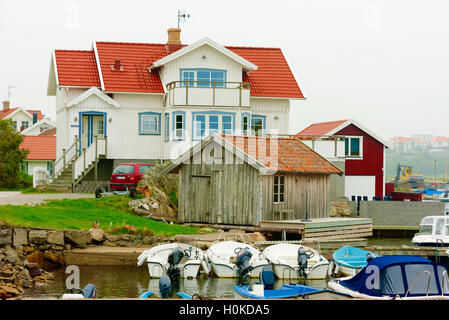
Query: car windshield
<point>425,229</point>
<point>143,169</point>
<point>124,169</point>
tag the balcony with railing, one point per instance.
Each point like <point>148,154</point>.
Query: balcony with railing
<point>208,93</point>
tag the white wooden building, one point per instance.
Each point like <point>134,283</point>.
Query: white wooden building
<point>152,102</point>
<point>20,117</point>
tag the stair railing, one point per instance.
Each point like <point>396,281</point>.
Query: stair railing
<point>89,156</point>
<point>68,155</point>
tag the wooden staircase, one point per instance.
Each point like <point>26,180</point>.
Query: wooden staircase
<point>73,166</point>
<point>63,183</point>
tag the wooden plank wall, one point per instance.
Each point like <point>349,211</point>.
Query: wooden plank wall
<point>220,193</point>
<point>295,196</point>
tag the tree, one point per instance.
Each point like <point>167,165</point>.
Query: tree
<point>11,156</point>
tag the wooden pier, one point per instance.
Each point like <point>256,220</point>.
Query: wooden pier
<point>322,228</point>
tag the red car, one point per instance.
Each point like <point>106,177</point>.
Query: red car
<point>126,176</point>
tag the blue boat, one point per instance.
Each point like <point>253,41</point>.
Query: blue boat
<point>290,291</point>
<point>349,260</point>
<point>265,289</point>
<point>397,277</point>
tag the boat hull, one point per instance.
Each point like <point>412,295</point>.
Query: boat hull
<point>316,272</point>
<point>336,286</point>
<point>346,270</point>
<point>222,270</point>
<point>188,270</point>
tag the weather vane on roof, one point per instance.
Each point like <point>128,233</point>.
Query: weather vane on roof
<point>182,16</point>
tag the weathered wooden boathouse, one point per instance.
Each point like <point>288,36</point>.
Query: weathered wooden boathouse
<point>241,180</point>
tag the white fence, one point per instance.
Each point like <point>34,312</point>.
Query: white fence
<point>40,177</point>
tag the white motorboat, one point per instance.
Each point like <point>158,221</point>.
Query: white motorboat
<point>232,259</point>
<point>433,231</point>
<point>158,259</point>
<point>294,261</point>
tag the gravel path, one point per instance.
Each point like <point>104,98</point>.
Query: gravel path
<point>17,198</point>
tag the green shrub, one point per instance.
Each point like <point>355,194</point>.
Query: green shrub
<point>11,156</point>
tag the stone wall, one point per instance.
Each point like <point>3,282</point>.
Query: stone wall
<point>397,213</point>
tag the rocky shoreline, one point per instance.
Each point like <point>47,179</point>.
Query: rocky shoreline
<point>17,274</point>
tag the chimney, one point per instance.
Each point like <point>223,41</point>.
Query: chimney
<point>174,40</point>
<point>174,36</point>
<point>5,105</point>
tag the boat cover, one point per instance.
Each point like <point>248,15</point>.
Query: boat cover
<point>394,275</point>
<point>351,257</point>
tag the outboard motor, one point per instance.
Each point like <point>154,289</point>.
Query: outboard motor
<point>173,260</point>
<point>164,286</point>
<point>244,256</point>
<point>88,292</point>
<point>302,261</point>
<point>370,256</point>
<point>266,277</point>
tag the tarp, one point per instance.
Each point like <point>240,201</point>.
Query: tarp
<point>351,257</point>
<point>392,275</point>
<point>429,191</point>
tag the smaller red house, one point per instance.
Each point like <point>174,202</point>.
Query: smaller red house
<point>42,153</point>
<point>364,156</point>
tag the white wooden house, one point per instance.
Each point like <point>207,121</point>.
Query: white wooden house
<point>39,127</point>
<point>149,102</point>
<point>20,117</point>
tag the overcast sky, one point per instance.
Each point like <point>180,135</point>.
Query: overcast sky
<point>383,63</point>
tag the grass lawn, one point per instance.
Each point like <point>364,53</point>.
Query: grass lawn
<point>80,213</point>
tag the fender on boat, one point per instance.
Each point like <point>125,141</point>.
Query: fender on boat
<point>141,259</point>
<point>331,267</point>
<point>205,267</point>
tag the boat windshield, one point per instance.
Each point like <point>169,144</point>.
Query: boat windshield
<point>425,229</point>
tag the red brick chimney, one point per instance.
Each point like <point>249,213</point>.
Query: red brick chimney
<point>6,105</point>
<point>174,40</point>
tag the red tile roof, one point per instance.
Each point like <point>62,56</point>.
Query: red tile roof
<point>4,113</point>
<point>283,154</point>
<point>273,78</point>
<point>441,139</point>
<point>135,59</point>
<point>321,128</point>
<point>41,147</point>
<point>77,68</point>
<point>48,132</point>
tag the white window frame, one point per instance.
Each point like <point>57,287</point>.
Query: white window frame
<point>100,129</point>
<point>278,192</point>
<point>166,127</point>
<point>207,122</point>
<point>175,129</point>
<point>349,156</point>
<point>27,122</point>
<point>142,117</point>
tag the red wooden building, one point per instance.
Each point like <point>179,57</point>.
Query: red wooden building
<point>364,153</point>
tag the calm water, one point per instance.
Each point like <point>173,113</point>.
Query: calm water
<point>130,282</point>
